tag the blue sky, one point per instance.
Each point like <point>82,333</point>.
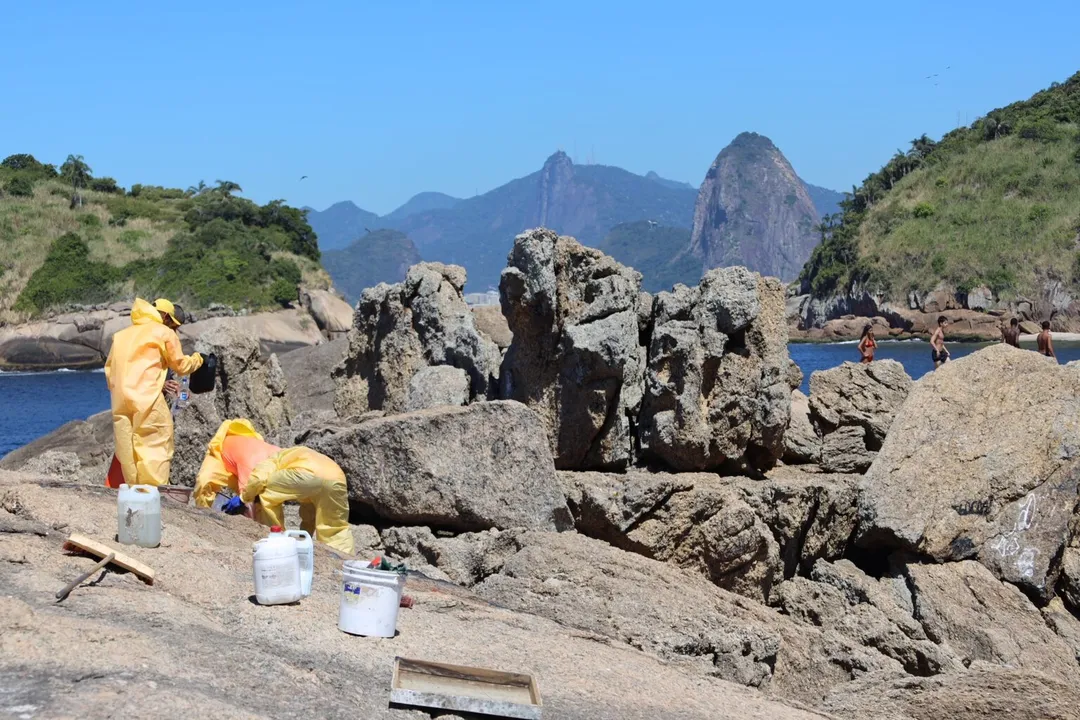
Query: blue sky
<point>378,100</point>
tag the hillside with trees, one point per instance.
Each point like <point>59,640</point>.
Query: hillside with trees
<point>995,205</point>
<point>375,257</point>
<point>71,238</point>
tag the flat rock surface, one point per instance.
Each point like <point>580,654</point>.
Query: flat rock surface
<point>195,645</point>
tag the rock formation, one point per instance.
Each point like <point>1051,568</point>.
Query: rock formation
<point>801,441</point>
<point>716,389</point>
<point>247,387</point>
<point>851,408</point>
<point>473,468</point>
<point>753,210</point>
<point>981,463</point>
<point>575,358</point>
<point>437,385</point>
<point>332,315</point>
<point>399,329</point>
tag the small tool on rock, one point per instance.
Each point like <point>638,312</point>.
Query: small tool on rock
<point>82,578</point>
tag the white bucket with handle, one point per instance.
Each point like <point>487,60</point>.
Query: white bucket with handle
<point>370,600</point>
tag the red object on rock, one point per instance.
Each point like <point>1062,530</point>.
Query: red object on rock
<point>276,528</point>
<point>406,601</point>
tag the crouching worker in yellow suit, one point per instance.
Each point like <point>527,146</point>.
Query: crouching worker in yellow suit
<point>266,476</point>
<point>135,371</point>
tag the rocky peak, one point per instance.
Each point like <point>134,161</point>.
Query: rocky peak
<point>556,179</point>
<point>753,210</point>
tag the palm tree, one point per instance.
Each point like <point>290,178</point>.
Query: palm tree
<point>227,187</point>
<point>198,189</point>
<point>77,171</point>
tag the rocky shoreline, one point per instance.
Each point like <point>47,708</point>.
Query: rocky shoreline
<point>80,338</point>
<point>631,500</point>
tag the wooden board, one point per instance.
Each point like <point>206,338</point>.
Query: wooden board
<point>419,683</point>
<point>101,550</point>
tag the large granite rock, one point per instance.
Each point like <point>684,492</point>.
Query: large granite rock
<point>982,463</point>
<point>856,403</point>
<point>674,613</point>
<point>716,390</point>
<point>399,329</point>
<point>801,442</point>
<point>478,467</point>
<point>437,385</point>
<point>811,515</point>
<point>331,314</point>
<point>1070,578</point>
<point>963,606</point>
<point>875,613</point>
<point>575,358</point>
<point>90,441</point>
<point>697,521</point>
<point>491,323</point>
<point>981,692</point>
<point>247,386</point>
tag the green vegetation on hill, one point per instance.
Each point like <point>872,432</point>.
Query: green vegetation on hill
<point>995,204</point>
<point>71,238</point>
<point>656,251</point>
<point>379,256</point>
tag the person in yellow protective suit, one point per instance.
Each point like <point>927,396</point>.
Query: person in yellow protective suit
<point>138,362</point>
<point>267,476</point>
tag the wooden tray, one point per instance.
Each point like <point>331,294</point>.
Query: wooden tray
<point>419,683</point>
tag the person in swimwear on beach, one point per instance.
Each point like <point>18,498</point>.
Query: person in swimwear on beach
<point>867,345</point>
<point>938,353</point>
<point>1011,334</point>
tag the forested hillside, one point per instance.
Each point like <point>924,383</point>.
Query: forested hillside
<point>996,204</point>
<point>71,238</point>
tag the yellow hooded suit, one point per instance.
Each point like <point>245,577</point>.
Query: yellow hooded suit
<point>136,368</point>
<point>278,476</point>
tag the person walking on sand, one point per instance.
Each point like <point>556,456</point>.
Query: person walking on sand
<point>1011,335</point>
<point>938,353</point>
<point>1045,341</point>
<point>867,345</point>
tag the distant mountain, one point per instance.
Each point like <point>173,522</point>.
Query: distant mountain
<point>656,251</point>
<point>753,210</point>
<point>340,224</point>
<point>379,256</point>
<point>673,184</point>
<point>421,202</point>
<point>826,201</point>
<point>585,201</point>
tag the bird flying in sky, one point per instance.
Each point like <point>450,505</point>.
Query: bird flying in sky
<point>303,177</point>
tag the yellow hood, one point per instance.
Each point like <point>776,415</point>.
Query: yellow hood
<point>231,427</point>
<point>213,475</point>
<point>143,313</point>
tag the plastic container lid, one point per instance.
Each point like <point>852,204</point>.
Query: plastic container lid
<point>276,528</point>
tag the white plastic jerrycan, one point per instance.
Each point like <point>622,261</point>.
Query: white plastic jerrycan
<point>276,566</point>
<point>138,515</point>
<point>305,548</point>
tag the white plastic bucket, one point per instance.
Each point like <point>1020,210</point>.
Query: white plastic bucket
<point>276,569</point>
<point>306,551</point>
<point>370,600</point>
<point>138,515</point>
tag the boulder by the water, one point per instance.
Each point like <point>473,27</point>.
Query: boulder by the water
<point>716,390</point>
<point>982,462</point>
<point>399,329</point>
<point>486,465</point>
<point>852,407</point>
<point>332,315</point>
<point>575,358</point>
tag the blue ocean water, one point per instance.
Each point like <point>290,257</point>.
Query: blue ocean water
<point>914,355</point>
<point>33,404</point>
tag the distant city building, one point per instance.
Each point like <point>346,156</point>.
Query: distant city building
<point>491,297</point>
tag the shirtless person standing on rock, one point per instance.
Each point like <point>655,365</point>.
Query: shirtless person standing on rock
<point>1011,334</point>
<point>938,353</point>
<point>1045,342</point>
